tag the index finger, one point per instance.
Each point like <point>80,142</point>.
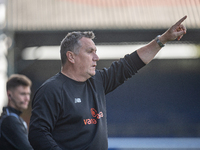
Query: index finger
<point>180,21</point>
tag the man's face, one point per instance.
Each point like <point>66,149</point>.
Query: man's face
<point>86,59</point>
<point>19,97</point>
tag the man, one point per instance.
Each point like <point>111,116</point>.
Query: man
<point>69,109</point>
<point>13,129</point>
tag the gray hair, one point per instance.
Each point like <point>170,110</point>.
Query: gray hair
<point>71,43</point>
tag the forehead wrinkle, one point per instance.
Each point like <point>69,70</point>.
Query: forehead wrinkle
<point>87,44</point>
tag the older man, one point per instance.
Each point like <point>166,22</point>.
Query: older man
<point>69,109</point>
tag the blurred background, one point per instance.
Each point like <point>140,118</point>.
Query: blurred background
<point>162,100</point>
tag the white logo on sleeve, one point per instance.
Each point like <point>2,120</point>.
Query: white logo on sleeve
<point>77,100</point>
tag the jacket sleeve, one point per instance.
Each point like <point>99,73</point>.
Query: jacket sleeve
<point>45,112</point>
<point>120,71</point>
<point>14,131</point>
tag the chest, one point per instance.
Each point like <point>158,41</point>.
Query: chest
<point>83,102</point>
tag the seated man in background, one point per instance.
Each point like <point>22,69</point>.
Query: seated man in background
<point>13,129</point>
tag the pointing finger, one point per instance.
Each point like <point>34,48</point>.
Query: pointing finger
<point>180,21</point>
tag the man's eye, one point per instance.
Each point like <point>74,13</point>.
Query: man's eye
<point>92,51</point>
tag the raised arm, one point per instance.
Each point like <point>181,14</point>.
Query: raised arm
<point>148,52</point>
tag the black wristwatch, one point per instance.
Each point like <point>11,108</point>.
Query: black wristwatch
<point>158,41</point>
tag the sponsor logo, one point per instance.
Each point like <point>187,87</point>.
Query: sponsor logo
<point>77,100</point>
<point>95,115</point>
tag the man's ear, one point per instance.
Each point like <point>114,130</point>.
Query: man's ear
<point>70,56</point>
<point>9,94</point>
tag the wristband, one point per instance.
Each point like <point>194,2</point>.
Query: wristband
<point>158,41</point>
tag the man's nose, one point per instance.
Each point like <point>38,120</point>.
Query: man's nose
<point>27,97</point>
<point>96,57</point>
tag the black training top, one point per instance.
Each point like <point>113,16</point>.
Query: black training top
<point>71,115</point>
<point>13,132</point>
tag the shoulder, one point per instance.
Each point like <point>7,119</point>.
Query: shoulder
<point>10,121</point>
<point>51,89</point>
<point>54,83</point>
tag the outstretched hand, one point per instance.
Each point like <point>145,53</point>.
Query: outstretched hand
<point>148,52</point>
<point>175,32</point>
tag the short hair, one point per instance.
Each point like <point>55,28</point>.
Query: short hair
<point>16,80</point>
<point>70,43</point>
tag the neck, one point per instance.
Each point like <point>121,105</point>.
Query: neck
<point>10,104</point>
<point>72,74</point>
